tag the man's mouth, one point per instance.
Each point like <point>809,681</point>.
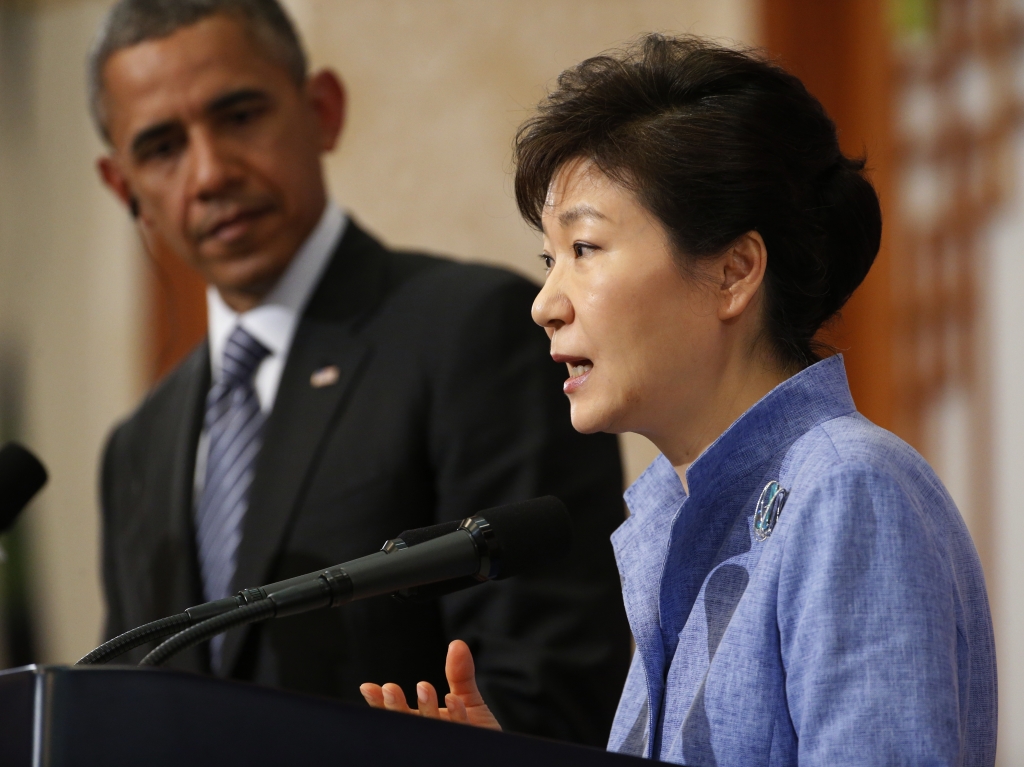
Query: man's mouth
<point>234,224</point>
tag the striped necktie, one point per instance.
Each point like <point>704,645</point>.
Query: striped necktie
<point>234,426</point>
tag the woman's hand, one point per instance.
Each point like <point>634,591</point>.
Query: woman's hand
<point>464,703</point>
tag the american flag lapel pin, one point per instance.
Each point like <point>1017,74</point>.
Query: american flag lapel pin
<point>325,376</point>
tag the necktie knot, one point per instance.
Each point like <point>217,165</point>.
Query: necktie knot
<point>242,355</point>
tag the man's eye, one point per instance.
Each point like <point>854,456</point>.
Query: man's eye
<point>163,149</point>
<point>244,116</point>
<point>158,150</point>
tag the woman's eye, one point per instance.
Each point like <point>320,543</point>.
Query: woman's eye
<point>548,261</point>
<point>581,249</point>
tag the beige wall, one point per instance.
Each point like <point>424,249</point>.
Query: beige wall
<point>1004,312</point>
<point>437,88</point>
<point>436,92</point>
<point>69,288</point>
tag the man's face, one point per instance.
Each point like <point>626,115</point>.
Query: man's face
<point>220,150</point>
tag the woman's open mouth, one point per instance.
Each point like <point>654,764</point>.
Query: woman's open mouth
<point>579,370</point>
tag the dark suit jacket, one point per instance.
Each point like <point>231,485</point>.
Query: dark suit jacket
<point>447,404</point>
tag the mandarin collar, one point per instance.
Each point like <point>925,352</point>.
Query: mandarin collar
<point>814,395</point>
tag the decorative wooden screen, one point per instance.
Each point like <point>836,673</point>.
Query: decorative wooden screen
<point>956,107</point>
<point>926,89</point>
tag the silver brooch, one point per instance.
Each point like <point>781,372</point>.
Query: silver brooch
<point>769,506</point>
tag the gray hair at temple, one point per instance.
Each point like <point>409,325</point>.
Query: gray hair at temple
<point>131,22</point>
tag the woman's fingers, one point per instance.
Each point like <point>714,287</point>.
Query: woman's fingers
<point>394,699</point>
<point>469,705</point>
<point>391,698</point>
<point>464,704</point>
<point>461,673</point>
<point>456,709</point>
<point>426,698</point>
<point>373,694</point>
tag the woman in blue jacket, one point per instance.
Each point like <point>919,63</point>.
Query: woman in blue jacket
<point>801,587</point>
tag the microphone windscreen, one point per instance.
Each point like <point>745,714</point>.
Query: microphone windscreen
<point>424,534</point>
<point>21,477</point>
<point>531,533</point>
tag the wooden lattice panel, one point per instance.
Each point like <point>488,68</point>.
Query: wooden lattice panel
<point>956,107</point>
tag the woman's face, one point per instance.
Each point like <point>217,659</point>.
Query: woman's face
<point>643,345</point>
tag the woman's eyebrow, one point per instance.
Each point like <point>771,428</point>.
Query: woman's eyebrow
<point>575,213</point>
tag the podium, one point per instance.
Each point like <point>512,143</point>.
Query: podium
<point>60,716</point>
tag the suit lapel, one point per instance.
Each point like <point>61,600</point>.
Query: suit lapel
<point>299,422</point>
<point>305,408</point>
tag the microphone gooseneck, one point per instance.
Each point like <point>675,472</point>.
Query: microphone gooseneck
<point>158,629</point>
<point>190,637</point>
<point>129,640</point>
<point>492,545</point>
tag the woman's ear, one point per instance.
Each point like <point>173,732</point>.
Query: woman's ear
<point>741,272</point>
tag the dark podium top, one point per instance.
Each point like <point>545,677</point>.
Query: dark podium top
<point>61,716</point>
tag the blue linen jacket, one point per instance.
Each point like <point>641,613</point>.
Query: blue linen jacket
<point>858,633</point>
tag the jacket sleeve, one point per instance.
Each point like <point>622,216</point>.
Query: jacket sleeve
<point>869,628</point>
<point>552,649</point>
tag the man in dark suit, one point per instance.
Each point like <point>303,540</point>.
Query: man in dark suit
<point>346,392</point>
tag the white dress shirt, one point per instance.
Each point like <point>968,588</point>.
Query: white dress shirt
<point>274,320</point>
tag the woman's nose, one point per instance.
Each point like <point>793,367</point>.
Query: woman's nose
<point>552,308</point>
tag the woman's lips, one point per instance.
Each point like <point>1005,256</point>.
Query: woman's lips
<point>579,371</point>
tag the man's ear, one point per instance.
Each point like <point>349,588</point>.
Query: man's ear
<point>115,181</point>
<point>742,272</point>
<point>328,99</point>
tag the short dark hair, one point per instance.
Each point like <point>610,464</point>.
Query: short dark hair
<point>131,22</point>
<point>715,143</point>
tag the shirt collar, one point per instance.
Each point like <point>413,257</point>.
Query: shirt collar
<point>814,395</point>
<point>274,320</point>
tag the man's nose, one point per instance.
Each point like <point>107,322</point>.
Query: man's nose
<point>213,169</point>
<point>552,308</point>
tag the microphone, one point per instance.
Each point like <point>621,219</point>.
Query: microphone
<point>21,477</point>
<point>191,616</point>
<point>432,590</point>
<point>492,545</point>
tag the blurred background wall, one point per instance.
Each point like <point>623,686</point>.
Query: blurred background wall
<point>929,89</point>
<point>72,303</point>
